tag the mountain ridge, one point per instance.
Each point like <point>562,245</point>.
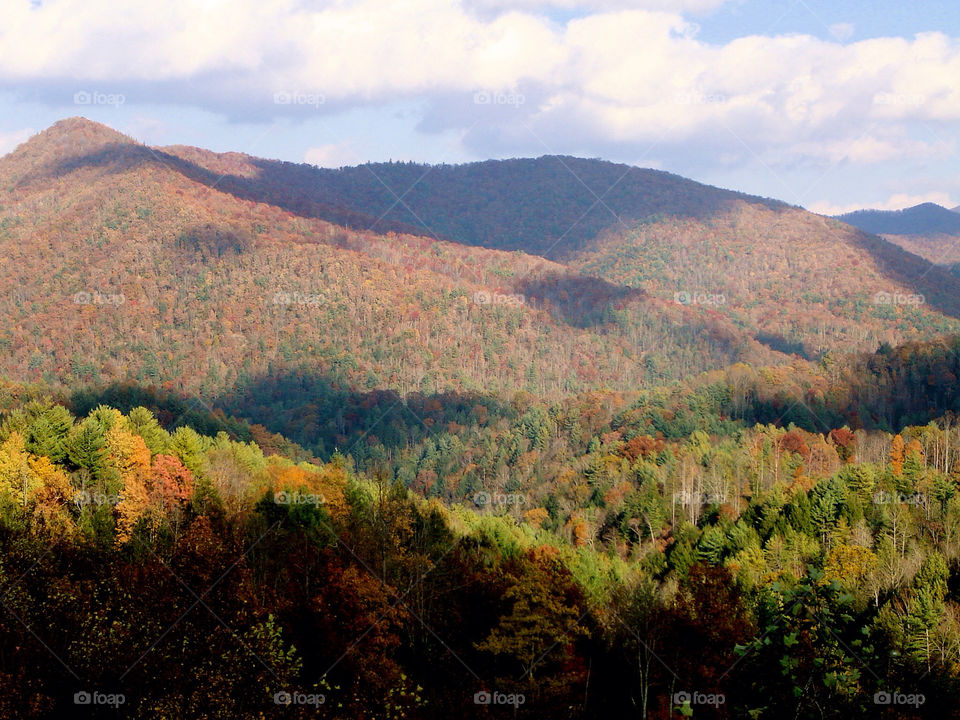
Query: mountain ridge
<point>213,281</point>
<point>924,219</point>
<point>711,277</point>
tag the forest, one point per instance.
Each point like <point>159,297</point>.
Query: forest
<point>268,449</point>
<point>569,569</point>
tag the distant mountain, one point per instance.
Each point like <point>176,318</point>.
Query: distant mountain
<point>923,219</point>
<point>928,230</point>
<point>121,261</point>
<point>791,279</point>
<point>551,206</point>
<point>223,273</point>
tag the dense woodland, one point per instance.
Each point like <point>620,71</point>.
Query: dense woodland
<point>128,262</point>
<point>269,449</point>
<point>811,570</point>
<point>924,219</point>
<point>119,266</point>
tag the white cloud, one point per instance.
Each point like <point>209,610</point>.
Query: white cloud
<point>872,148</point>
<point>9,140</point>
<point>628,72</point>
<point>673,6</point>
<point>332,155</point>
<point>898,201</point>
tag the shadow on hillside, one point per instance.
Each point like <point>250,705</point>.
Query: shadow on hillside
<point>317,413</point>
<point>550,206</point>
<point>273,186</point>
<point>939,287</point>
<point>577,300</point>
<point>778,342</point>
<point>326,415</point>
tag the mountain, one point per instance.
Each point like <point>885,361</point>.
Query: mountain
<point>223,274</point>
<point>923,219</point>
<point>125,262</point>
<point>549,206</point>
<point>790,279</point>
<point>928,230</point>
<point>799,281</point>
<point>504,479</point>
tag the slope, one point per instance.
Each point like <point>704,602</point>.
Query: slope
<point>927,230</point>
<point>786,277</point>
<point>924,219</point>
<point>129,262</point>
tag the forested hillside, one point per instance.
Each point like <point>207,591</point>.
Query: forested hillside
<point>814,573</point>
<point>271,450</point>
<point>923,219</point>
<point>793,280</point>
<point>801,282</point>
<point>120,264</point>
<point>211,273</point>
<point>928,230</point>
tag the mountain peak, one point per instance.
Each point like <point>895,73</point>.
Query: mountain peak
<point>63,145</point>
<point>82,129</point>
<point>68,139</point>
<point>923,219</point>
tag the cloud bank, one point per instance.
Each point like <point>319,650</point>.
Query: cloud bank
<point>617,73</point>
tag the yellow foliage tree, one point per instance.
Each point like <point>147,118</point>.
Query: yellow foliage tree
<point>51,497</point>
<point>18,483</point>
<point>536,516</point>
<point>896,455</point>
<point>129,455</point>
<point>849,565</point>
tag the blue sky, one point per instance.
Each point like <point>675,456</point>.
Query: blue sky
<point>830,105</point>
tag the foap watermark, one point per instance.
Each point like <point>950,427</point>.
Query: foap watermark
<point>297,97</point>
<point>685,297</point>
<point>82,498</point>
<point>485,297</point>
<point>897,298</point>
<point>297,298</point>
<point>897,498</point>
<point>483,498</point>
<point>95,97</point>
<point>692,498</point>
<point>698,98</point>
<point>98,298</point>
<point>485,697</point>
<point>491,97</point>
<point>113,700</point>
<point>904,99</point>
<point>285,697</point>
<point>895,698</point>
<point>684,698</point>
<point>295,497</point>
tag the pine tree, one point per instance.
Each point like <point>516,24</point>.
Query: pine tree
<point>86,447</point>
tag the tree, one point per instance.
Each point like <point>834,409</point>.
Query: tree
<point>86,447</point>
<point>47,433</point>
<point>189,447</point>
<point>543,622</point>
<point>812,654</point>
<point>141,421</point>
<point>896,455</point>
<point>130,458</point>
<point>926,608</point>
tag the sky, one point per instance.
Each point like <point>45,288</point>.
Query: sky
<point>830,104</point>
